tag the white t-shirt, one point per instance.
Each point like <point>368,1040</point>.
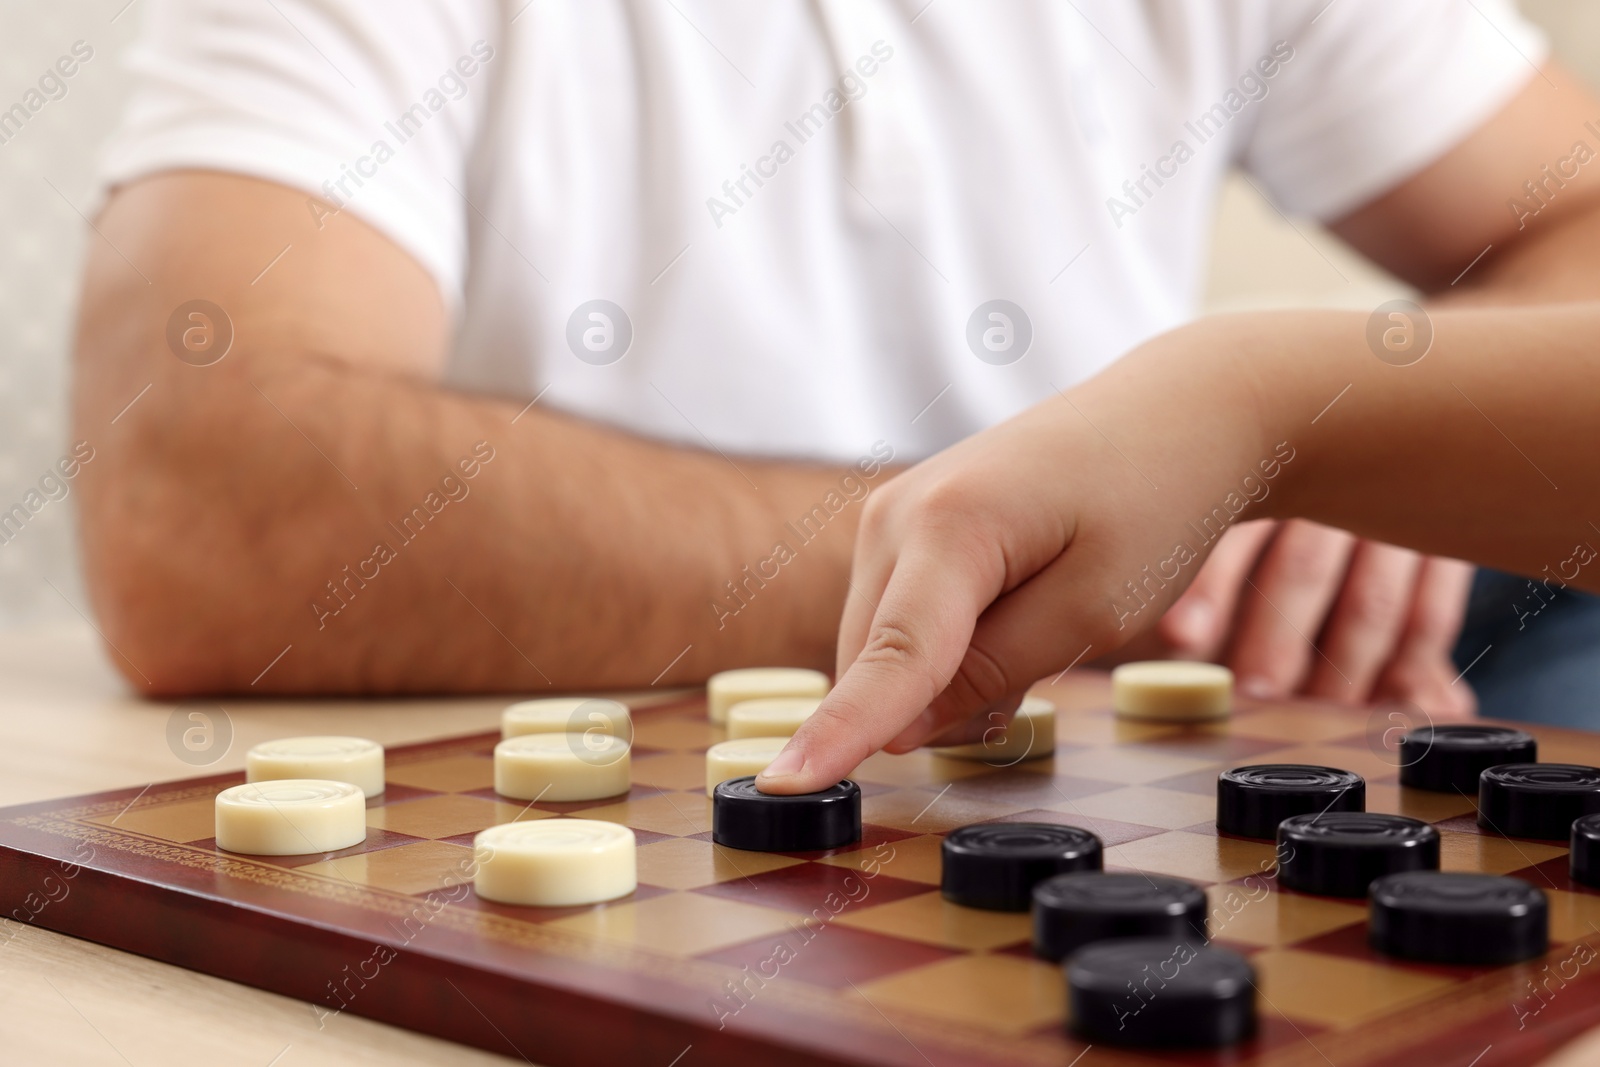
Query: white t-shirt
<point>802,212</point>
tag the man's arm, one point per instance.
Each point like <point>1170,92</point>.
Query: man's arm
<point>1514,193</point>
<point>280,498</point>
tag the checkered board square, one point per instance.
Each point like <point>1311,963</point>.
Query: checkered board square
<point>849,956</point>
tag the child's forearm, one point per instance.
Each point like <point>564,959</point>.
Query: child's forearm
<point>1483,448</point>
<point>1065,530</point>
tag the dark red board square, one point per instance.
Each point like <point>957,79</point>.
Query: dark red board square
<point>805,888</point>
<point>1351,943</point>
<point>834,956</point>
<point>1554,874</point>
<point>872,835</point>
<point>1461,824</point>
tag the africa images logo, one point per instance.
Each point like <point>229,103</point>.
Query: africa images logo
<point>999,332</point>
<point>599,332</point>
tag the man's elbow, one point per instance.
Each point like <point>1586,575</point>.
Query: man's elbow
<point>173,580</point>
<point>153,603</point>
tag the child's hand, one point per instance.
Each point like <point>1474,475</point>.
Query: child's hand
<point>1047,540</point>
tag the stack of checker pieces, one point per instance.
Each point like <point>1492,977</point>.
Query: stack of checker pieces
<point>850,956</point>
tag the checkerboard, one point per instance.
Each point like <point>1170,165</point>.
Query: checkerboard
<point>849,956</point>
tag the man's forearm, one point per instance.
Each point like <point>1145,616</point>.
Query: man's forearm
<point>1550,264</point>
<point>401,538</point>
<point>394,536</point>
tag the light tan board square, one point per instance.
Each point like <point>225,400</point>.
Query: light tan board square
<point>928,812</point>
<point>1491,855</point>
<point>679,924</point>
<point>1075,692</point>
<point>1166,808</point>
<point>1297,726</point>
<point>676,734</point>
<point>673,770</point>
<point>1252,915</point>
<point>1001,994</point>
<point>188,820</point>
<point>417,868</point>
<point>1573,916</point>
<point>916,859</point>
<point>678,814</point>
<point>448,815</point>
<point>932,919</point>
<point>685,863</point>
<point>1332,991</point>
<point>1199,857</point>
<point>452,774</point>
<point>1417,803</point>
<point>916,768</point>
<point>1118,765</point>
<point>1569,747</point>
<point>1097,730</point>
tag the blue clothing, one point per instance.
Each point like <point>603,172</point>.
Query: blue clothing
<point>1531,651</point>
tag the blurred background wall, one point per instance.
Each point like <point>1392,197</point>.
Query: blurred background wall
<point>46,178</point>
<point>46,175</point>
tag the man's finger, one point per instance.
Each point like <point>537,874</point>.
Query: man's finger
<point>1197,623</point>
<point>1364,629</point>
<point>1421,671</point>
<point>1279,618</point>
<point>918,636</point>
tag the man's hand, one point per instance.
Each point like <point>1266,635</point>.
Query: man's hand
<point>1301,609</point>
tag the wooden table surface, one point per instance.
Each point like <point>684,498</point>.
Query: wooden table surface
<point>68,725</point>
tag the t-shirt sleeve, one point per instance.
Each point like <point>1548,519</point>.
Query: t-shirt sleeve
<point>1377,90</point>
<point>371,107</point>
